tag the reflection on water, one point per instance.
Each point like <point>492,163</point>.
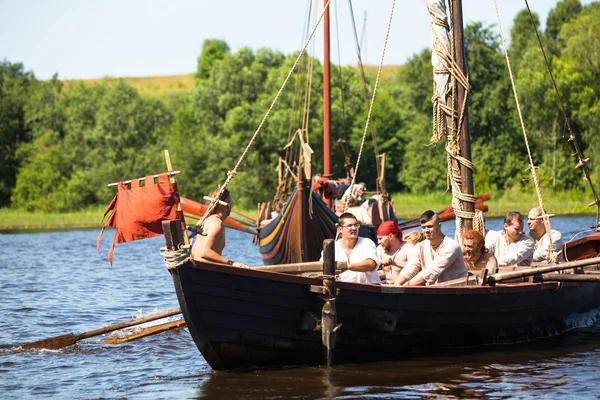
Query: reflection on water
<point>55,282</point>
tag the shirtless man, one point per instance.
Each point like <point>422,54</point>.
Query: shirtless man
<point>475,254</point>
<point>510,246</point>
<point>392,250</point>
<point>359,253</point>
<point>210,245</point>
<point>435,260</point>
<point>541,239</point>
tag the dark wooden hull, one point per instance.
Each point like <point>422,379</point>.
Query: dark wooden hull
<point>243,318</point>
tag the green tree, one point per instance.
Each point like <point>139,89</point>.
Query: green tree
<point>213,50</point>
<point>15,84</point>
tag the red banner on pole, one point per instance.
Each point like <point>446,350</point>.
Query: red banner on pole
<point>137,212</point>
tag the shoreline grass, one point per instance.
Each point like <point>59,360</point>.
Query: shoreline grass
<point>408,206</point>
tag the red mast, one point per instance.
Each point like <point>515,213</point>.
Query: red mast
<point>326,99</point>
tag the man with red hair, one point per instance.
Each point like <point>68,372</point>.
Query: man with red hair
<point>475,254</point>
<point>392,250</point>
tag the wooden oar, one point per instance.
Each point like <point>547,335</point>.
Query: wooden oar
<point>58,342</point>
<point>299,268</point>
<point>151,330</point>
<point>540,270</point>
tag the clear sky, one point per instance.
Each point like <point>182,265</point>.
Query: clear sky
<point>80,39</point>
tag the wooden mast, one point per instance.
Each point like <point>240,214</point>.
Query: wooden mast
<point>465,139</point>
<point>326,100</point>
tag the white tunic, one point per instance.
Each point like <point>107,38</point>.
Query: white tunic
<point>364,249</point>
<point>541,247</point>
<point>442,264</point>
<point>516,253</point>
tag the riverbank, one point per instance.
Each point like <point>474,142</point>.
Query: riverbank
<point>408,206</point>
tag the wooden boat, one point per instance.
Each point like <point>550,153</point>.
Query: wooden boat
<point>245,318</point>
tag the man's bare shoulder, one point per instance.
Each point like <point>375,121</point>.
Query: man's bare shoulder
<point>212,224</point>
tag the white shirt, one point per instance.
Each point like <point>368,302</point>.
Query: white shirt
<point>516,253</point>
<point>364,249</point>
<point>442,264</point>
<point>541,247</point>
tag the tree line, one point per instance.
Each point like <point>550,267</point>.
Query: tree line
<point>60,145</point>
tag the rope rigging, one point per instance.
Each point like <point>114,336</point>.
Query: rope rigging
<point>380,184</point>
<point>581,161</point>
<point>447,123</point>
<point>552,255</point>
<point>231,174</point>
<point>362,144</point>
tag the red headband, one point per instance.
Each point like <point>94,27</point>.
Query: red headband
<point>388,227</point>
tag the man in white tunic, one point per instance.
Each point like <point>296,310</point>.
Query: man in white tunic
<point>437,259</point>
<point>510,246</point>
<point>359,253</point>
<point>541,239</point>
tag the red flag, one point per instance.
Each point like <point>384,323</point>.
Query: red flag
<point>137,213</point>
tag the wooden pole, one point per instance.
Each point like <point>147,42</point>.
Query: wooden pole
<point>465,138</point>
<point>299,268</point>
<point>178,205</point>
<point>492,279</point>
<point>328,313</point>
<point>58,342</point>
<point>151,330</point>
<point>326,101</point>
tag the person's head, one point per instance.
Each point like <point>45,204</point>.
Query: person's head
<point>339,206</point>
<point>389,235</point>
<point>535,222</point>
<point>351,201</point>
<point>513,226</point>
<point>414,237</point>
<point>361,188</point>
<point>348,226</point>
<point>431,225</point>
<point>279,206</point>
<point>472,245</point>
<point>226,197</point>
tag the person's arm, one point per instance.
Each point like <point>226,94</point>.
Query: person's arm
<point>491,265</point>
<point>412,267</point>
<point>523,252</point>
<point>369,261</point>
<point>445,258</point>
<point>207,251</point>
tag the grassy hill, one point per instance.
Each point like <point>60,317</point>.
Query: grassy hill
<point>166,86</point>
<point>156,86</point>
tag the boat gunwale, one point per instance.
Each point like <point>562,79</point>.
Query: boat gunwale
<point>512,287</point>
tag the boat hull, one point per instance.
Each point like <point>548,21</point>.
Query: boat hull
<point>242,318</point>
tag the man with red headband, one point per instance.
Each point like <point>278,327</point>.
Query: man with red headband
<point>392,250</point>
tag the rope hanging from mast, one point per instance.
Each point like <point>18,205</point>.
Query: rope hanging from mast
<point>362,144</point>
<point>446,121</point>
<point>581,161</point>
<point>380,185</point>
<point>231,174</point>
<point>552,255</point>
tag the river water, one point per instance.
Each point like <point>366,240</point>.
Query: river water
<point>52,283</point>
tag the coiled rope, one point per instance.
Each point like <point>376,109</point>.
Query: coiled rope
<point>446,122</point>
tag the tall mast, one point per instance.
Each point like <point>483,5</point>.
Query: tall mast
<point>326,97</point>
<point>465,138</point>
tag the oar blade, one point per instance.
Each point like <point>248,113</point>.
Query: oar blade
<point>54,343</point>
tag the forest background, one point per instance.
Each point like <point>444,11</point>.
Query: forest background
<point>61,142</point>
